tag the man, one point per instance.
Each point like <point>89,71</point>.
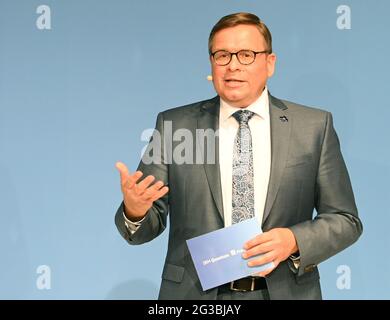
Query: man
<point>291,164</point>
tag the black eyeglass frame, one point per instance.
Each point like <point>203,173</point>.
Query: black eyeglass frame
<point>236,54</point>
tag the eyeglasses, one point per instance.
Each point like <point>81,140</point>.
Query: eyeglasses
<point>245,57</point>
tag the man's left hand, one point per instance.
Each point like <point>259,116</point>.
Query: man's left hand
<point>276,245</point>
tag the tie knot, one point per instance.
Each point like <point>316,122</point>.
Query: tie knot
<point>243,116</point>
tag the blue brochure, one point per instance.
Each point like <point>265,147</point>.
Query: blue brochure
<point>218,255</point>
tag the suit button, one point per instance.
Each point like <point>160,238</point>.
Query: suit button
<point>310,268</point>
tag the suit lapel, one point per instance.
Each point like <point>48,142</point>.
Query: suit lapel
<point>209,119</point>
<point>280,122</point>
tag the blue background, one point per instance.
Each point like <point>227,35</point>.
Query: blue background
<point>75,99</point>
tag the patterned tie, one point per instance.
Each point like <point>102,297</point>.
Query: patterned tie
<point>243,193</point>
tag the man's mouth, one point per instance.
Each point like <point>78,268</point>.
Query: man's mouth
<point>233,83</point>
<point>233,80</point>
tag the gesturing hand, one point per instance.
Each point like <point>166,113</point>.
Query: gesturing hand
<point>276,245</point>
<point>139,197</point>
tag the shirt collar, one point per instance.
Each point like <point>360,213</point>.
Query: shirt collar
<point>259,107</point>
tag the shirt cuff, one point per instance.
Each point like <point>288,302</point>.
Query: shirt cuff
<point>132,226</point>
<point>296,260</point>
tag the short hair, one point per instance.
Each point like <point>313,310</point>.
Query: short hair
<point>235,19</point>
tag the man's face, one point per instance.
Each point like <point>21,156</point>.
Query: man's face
<point>240,85</point>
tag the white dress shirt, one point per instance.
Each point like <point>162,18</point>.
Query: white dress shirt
<point>259,125</point>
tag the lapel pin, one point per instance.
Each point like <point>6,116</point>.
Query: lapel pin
<point>283,119</point>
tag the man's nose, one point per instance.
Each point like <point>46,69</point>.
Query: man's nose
<point>234,63</point>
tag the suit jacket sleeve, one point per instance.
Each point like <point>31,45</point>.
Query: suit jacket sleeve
<point>152,163</point>
<point>336,225</point>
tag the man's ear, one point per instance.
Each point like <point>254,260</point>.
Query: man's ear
<point>271,62</point>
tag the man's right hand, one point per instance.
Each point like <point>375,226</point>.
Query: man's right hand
<point>138,197</point>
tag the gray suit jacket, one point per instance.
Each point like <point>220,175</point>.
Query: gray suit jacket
<point>307,172</point>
